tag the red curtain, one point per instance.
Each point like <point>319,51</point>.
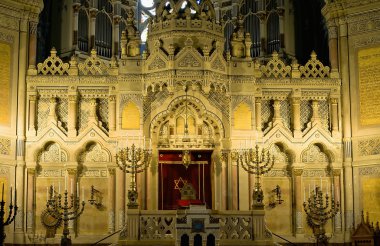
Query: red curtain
<point>173,174</point>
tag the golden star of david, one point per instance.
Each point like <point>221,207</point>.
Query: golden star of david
<point>177,182</point>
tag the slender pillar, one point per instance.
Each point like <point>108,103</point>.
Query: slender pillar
<point>258,114</point>
<point>346,130</point>
<point>334,116</point>
<point>32,113</point>
<point>21,134</point>
<point>315,119</point>
<point>120,199</point>
<point>277,120</point>
<point>52,117</point>
<point>297,176</point>
<point>296,104</point>
<point>333,46</point>
<point>112,113</point>
<point>30,200</point>
<point>336,195</point>
<point>72,115</point>
<point>111,200</point>
<point>92,118</point>
<point>32,44</point>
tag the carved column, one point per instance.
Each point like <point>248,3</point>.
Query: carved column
<point>297,176</point>
<point>120,199</point>
<point>111,200</point>
<point>296,104</point>
<point>277,112</point>
<point>72,115</point>
<point>333,45</point>
<point>315,119</point>
<point>52,117</point>
<point>30,200</point>
<point>346,129</point>
<point>336,195</point>
<point>32,44</point>
<point>258,114</point>
<point>334,115</point>
<point>20,177</point>
<point>32,113</point>
<point>92,118</point>
<point>112,113</point>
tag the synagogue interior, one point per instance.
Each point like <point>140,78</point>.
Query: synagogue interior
<point>190,122</point>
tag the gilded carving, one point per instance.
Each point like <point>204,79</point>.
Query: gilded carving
<point>369,147</point>
<point>157,63</point>
<point>314,68</point>
<point>52,65</point>
<point>93,65</point>
<point>314,155</point>
<point>189,61</point>
<point>275,68</point>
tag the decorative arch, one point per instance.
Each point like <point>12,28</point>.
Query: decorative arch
<point>196,106</point>
<point>52,152</point>
<point>103,34</point>
<point>93,152</point>
<point>317,153</point>
<point>282,153</point>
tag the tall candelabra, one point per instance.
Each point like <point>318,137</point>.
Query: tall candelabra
<point>11,216</point>
<point>258,164</point>
<point>319,212</point>
<point>133,160</point>
<point>65,211</point>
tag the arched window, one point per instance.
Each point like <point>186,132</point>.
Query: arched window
<point>103,34</point>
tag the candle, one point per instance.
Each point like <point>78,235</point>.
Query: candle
<point>71,186</point>
<point>150,143</point>
<point>77,191</point>
<point>2,194</point>
<point>11,195</point>
<point>66,181</point>
<point>321,183</point>
<point>47,194</point>
<point>83,194</point>
<point>16,195</point>
<point>59,187</point>
<point>304,195</point>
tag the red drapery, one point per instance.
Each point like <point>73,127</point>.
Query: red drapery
<point>173,174</point>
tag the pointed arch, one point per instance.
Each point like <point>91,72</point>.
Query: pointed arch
<point>51,152</point>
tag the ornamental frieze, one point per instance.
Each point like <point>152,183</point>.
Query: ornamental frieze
<point>48,93</point>
<point>91,93</point>
<point>314,95</point>
<point>6,37</point>
<point>369,147</point>
<point>276,95</point>
<point>369,171</point>
<point>369,40</point>
<point>314,173</point>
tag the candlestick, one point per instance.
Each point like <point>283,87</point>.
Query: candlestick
<point>77,191</point>
<point>71,186</point>
<point>47,194</point>
<point>16,196</point>
<point>11,195</point>
<point>82,193</point>
<point>2,194</point>
<point>59,187</point>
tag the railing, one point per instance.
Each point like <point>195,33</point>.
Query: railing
<point>169,226</point>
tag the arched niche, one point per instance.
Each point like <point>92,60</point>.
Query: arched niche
<point>317,153</point>
<point>94,153</point>
<point>52,152</point>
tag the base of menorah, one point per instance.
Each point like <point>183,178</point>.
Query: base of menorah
<point>259,206</point>
<point>66,241</point>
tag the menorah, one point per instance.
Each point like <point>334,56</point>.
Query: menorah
<point>319,212</point>
<point>133,160</point>
<point>65,211</point>
<point>258,164</point>
<point>10,218</point>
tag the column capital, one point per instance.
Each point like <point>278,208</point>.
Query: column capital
<point>297,171</point>
<point>72,171</point>
<point>31,171</point>
<point>336,172</point>
<point>112,171</point>
<point>32,97</point>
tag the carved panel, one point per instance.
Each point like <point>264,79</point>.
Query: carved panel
<point>276,173</point>
<point>285,113</point>
<point>189,61</point>
<point>103,112</point>
<point>314,155</point>
<point>91,173</point>
<point>369,147</point>
<point>94,153</point>
<point>5,146</point>
<point>313,173</point>
<point>324,114</point>
<point>42,112</point>
<point>62,111</point>
<point>157,63</point>
<point>369,171</point>
<point>266,113</point>
<point>314,68</point>
<point>52,153</point>
<point>93,65</point>
<point>275,68</point>
<point>221,102</point>
<point>83,113</point>
<point>52,65</point>
<point>236,227</point>
<point>306,113</point>
<point>217,64</point>
<point>279,156</point>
